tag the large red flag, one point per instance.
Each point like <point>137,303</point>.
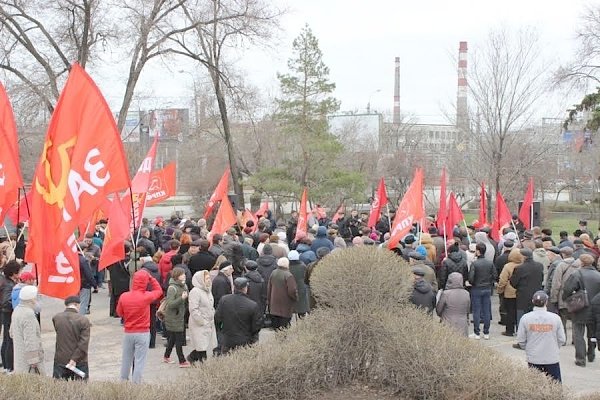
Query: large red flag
<point>10,171</point>
<point>502,216</point>
<point>442,210</point>
<point>224,219</point>
<point>81,163</point>
<point>525,211</point>
<point>482,205</point>
<point>219,194</point>
<point>162,185</point>
<point>454,215</point>
<point>338,213</point>
<point>262,210</point>
<point>117,230</point>
<point>410,210</point>
<point>141,183</point>
<point>379,201</point>
<point>302,226</point>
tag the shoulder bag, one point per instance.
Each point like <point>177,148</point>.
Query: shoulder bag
<point>578,300</point>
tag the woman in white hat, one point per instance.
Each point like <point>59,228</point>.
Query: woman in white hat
<point>26,334</point>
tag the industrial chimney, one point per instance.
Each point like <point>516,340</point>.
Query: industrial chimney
<point>462,109</point>
<point>396,117</point>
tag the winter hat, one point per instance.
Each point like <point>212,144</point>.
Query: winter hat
<point>528,234</point>
<point>72,300</point>
<point>322,252</point>
<point>224,265</point>
<point>418,271</point>
<point>567,251</point>
<point>308,257</point>
<point>421,250</point>
<point>27,276</point>
<point>293,255</point>
<point>267,249</point>
<point>282,236</point>
<point>251,265</point>
<point>240,283</point>
<point>28,292</point>
<point>508,244</point>
<point>554,250</point>
<point>358,241</point>
<point>540,298</point>
<point>409,239</point>
<point>283,262</point>
<point>416,256</point>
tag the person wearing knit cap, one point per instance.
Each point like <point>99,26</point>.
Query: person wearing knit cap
<point>26,278</point>
<point>26,334</point>
<point>282,294</point>
<point>540,334</point>
<point>72,341</point>
<point>221,284</point>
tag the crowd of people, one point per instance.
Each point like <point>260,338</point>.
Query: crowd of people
<point>215,294</point>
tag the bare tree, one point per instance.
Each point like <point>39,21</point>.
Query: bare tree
<point>507,78</point>
<point>220,25</point>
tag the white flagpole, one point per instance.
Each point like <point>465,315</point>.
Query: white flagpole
<point>8,237</point>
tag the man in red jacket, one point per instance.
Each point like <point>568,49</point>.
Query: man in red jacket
<point>164,265</point>
<point>134,308</point>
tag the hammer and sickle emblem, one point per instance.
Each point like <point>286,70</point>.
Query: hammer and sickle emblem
<point>55,192</point>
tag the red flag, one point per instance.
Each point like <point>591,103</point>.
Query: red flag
<point>117,230</point>
<point>482,206</point>
<point>262,210</point>
<point>81,163</point>
<point>219,194</point>
<point>302,226</point>
<point>379,201</point>
<point>20,210</point>
<point>454,215</point>
<point>162,185</point>
<point>319,212</point>
<point>502,216</point>
<point>10,171</point>
<point>224,219</point>
<point>141,183</point>
<point>525,211</point>
<point>338,213</point>
<point>410,210</point>
<point>442,210</point>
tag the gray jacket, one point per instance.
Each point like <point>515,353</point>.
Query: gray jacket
<point>562,272</point>
<point>454,304</point>
<point>541,334</point>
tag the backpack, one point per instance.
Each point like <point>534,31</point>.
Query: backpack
<point>160,312</point>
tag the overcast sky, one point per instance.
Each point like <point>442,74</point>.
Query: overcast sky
<point>360,39</point>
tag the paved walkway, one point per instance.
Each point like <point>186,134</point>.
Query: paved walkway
<point>105,349</point>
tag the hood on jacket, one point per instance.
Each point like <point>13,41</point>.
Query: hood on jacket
<point>308,257</point>
<point>482,237</point>
<point>321,232</point>
<point>266,260</point>
<point>456,256</point>
<point>515,256</point>
<point>540,255</point>
<point>422,286</point>
<point>302,247</point>
<point>140,281</point>
<point>254,276</point>
<point>455,281</point>
<point>426,238</point>
<point>198,280</point>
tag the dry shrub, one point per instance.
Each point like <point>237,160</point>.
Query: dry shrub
<point>361,277</point>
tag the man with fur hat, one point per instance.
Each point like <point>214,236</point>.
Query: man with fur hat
<point>72,341</point>
<point>282,294</point>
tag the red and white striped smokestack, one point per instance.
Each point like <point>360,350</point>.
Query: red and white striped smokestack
<point>396,116</point>
<point>462,108</point>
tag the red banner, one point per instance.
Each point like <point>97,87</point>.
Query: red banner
<point>302,226</point>
<point>502,216</point>
<point>81,164</point>
<point>454,216</point>
<point>379,201</point>
<point>162,185</point>
<point>117,231</point>
<point>224,219</point>
<point>10,171</point>
<point>219,194</point>
<point>525,211</point>
<point>338,213</point>
<point>409,211</point>
<point>442,210</point>
<point>262,210</point>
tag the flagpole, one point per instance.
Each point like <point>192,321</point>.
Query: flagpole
<point>132,221</point>
<point>517,232</point>
<point>18,208</point>
<point>141,216</point>
<point>8,236</point>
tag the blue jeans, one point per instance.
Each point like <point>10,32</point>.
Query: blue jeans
<point>85,297</point>
<point>135,351</point>
<point>481,300</point>
<point>552,370</point>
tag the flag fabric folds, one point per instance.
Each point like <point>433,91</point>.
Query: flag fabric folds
<point>262,210</point>
<point>10,170</point>
<point>224,219</point>
<point>502,216</point>
<point>19,212</point>
<point>117,230</point>
<point>163,185</point>
<point>409,211</point>
<point>442,210</point>
<point>302,226</point>
<point>379,201</point>
<point>482,205</point>
<point>454,215</point>
<point>81,163</point>
<point>219,194</point>
<point>525,211</point>
<point>338,213</point>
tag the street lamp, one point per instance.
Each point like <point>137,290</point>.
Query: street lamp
<point>369,103</point>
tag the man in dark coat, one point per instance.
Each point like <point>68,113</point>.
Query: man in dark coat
<point>119,284</point>
<point>422,295</point>
<point>527,279</point>
<point>321,240</point>
<point>240,317</point>
<point>257,287</point>
<point>588,278</point>
<point>204,260</point>
<point>482,277</point>
<point>221,285</point>
<point>298,269</point>
<point>455,262</point>
<point>72,341</point>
